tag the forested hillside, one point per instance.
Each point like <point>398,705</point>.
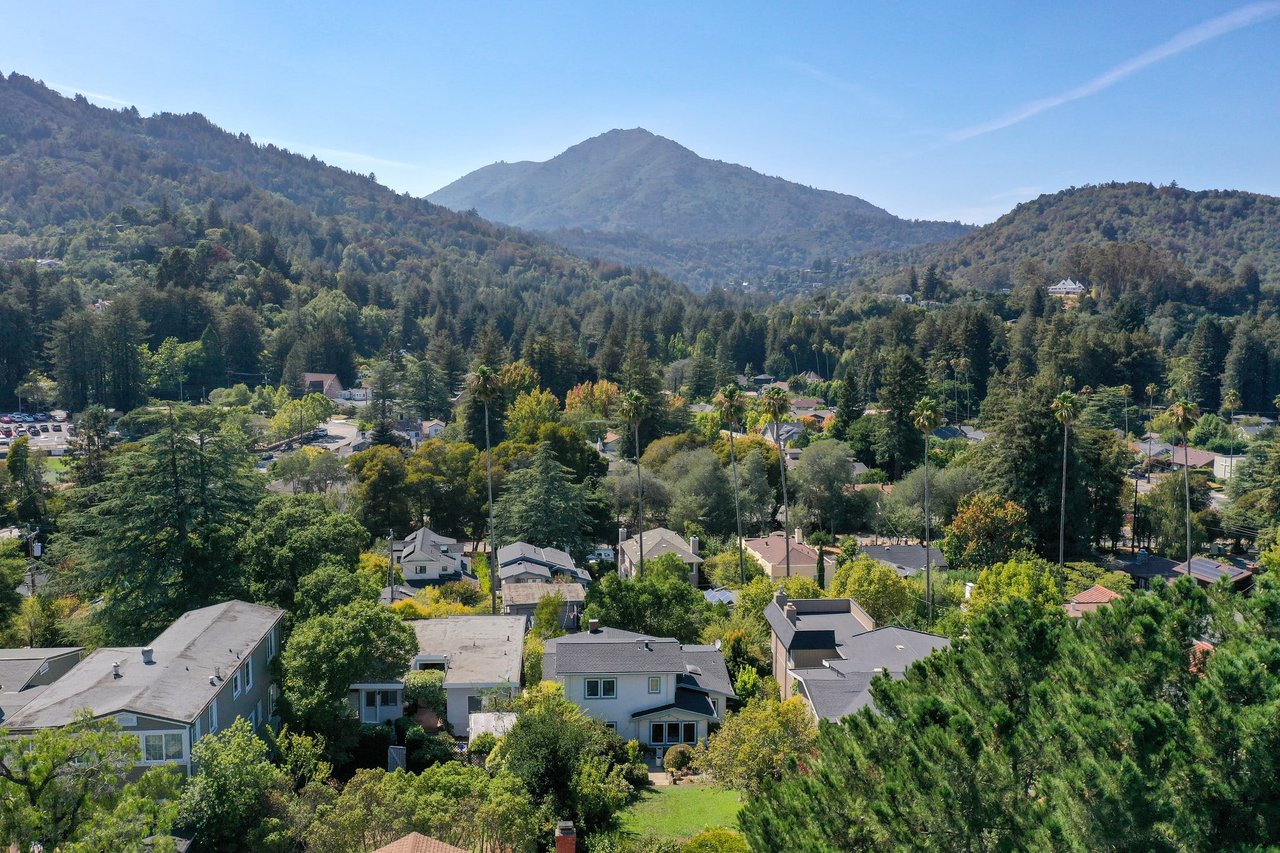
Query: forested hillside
<point>1209,233</point>
<point>641,198</point>
<point>183,229</point>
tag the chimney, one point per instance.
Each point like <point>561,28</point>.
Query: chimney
<point>799,536</point>
<point>790,612</point>
<point>217,672</point>
<point>780,598</point>
<point>968,591</point>
<point>693,545</point>
<point>148,655</point>
<point>566,837</point>
<point>642,643</point>
<point>593,625</point>
<point>622,536</point>
<point>115,670</point>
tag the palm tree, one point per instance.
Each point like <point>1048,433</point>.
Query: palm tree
<point>1152,389</point>
<point>1183,415</point>
<point>776,404</point>
<point>1065,408</point>
<point>731,405</point>
<point>632,407</point>
<point>485,385</point>
<point>927,417</point>
<point>1231,400</point>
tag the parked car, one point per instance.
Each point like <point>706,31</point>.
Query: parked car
<point>57,427</point>
<point>44,427</point>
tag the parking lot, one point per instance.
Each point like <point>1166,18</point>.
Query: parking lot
<point>50,435</point>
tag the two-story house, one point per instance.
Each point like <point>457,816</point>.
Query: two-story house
<point>425,558</point>
<point>520,562</point>
<point>828,650</point>
<point>657,542</point>
<point>209,667</point>
<point>650,689</point>
<point>25,673</point>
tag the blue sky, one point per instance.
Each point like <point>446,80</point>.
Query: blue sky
<point>948,110</point>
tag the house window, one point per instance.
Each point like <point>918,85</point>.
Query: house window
<point>390,698</point>
<point>657,733</point>
<point>611,726</point>
<point>371,698</point>
<point>162,746</point>
<point>602,688</point>
<point>655,684</point>
<point>235,684</point>
<point>253,720</point>
<point>195,732</point>
<point>673,732</point>
<point>213,716</point>
<point>690,732</point>
<point>248,673</point>
<point>715,707</point>
<point>271,644</point>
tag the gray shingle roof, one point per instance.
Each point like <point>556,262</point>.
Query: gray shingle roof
<point>821,623</point>
<point>686,700</point>
<point>907,559</point>
<point>611,650</point>
<point>657,542</point>
<point>843,686</point>
<point>531,558</point>
<point>705,668</point>
<point>532,593</point>
<point>175,686</point>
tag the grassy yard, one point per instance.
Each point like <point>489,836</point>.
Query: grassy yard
<point>679,811</point>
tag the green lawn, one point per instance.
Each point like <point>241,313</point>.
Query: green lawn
<point>679,811</point>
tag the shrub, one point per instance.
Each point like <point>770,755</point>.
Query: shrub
<point>677,758</point>
<point>425,688</point>
<point>716,841</point>
<point>481,745</point>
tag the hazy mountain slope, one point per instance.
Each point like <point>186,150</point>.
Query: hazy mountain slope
<point>1210,232</point>
<point>698,219</point>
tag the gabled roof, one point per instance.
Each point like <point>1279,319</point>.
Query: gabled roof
<point>688,701</point>
<point>772,549</point>
<point>610,651</point>
<point>416,842</point>
<point>551,558</point>
<point>19,668</point>
<point>842,686</point>
<point>657,542</point>
<point>705,669</point>
<point>820,623</point>
<point>175,686</point>
<point>1090,600</point>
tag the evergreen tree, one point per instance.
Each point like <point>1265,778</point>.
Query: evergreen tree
<point>1206,361</point>
<point>902,385</point>
<point>543,506</point>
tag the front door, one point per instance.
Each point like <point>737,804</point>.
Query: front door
<point>379,706</point>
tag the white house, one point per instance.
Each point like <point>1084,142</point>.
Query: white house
<point>426,557</point>
<point>650,689</point>
<point>209,667</point>
<point>1067,287</point>
<point>476,654</point>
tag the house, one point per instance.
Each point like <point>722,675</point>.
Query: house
<point>209,667</point>
<point>610,444</point>
<point>25,673</point>
<point>906,560</point>
<point>520,562</point>
<point>657,542</point>
<point>1207,572</point>
<point>762,379</point>
<point>416,842</point>
<point>788,431</point>
<point>1067,287</point>
<point>904,298</point>
<point>476,654</point>
<point>521,599</point>
<point>1145,567</point>
<point>399,592</point>
<point>1089,600</point>
<point>651,689</point>
<point>1194,458</point>
<point>322,383</point>
<point>828,650</point>
<point>770,552</point>
<point>810,377</point>
<point>432,428</point>
<point>425,558</point>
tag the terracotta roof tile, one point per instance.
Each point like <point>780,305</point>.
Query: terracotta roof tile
<point>416,842</point>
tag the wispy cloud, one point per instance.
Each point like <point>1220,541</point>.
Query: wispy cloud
<point>93,96</point>
<point>1245,16</point>
<point>813,72</point>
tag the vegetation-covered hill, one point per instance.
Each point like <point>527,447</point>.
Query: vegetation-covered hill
<point>184,226</point>
<point>1209,233</point>
<point>641,198</point>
